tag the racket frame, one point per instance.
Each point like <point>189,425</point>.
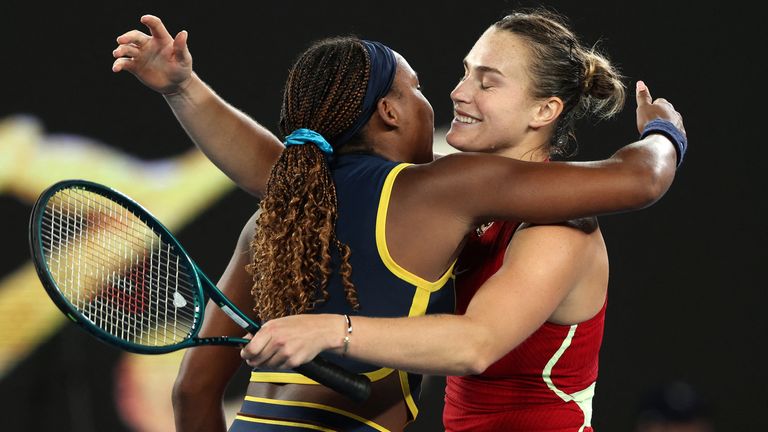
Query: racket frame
<point>356,387</point>
<point>198,277</point>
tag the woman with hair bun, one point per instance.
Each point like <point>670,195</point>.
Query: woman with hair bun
<point>358,221</point>
<point>522,349</point>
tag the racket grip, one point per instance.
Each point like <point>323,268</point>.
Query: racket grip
<point>354,386</point>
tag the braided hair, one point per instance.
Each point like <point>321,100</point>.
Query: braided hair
<point>291,249</point>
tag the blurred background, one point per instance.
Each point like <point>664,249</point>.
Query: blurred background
<point>686,321</point>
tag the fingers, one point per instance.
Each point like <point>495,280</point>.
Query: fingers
<point>180,50</point>
<point>134,37</point>
<point>122,63</point>
<point>266,356</point>
<point>156,27</point>
<point>264,351</point>
<point>254,353</point>
<point>125,51</point>
<point>273,349</point>
<point>642,94</point>
<point>124,54</point>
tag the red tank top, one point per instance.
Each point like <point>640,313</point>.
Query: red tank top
<point>544,384</point>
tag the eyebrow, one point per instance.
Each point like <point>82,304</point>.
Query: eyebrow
<point>484,69</point>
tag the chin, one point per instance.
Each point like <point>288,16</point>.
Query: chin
<point>459,142</point>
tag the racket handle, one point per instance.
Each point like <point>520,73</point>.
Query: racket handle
<point>356,387</point>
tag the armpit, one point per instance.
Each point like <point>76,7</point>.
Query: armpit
<point>587,225</point>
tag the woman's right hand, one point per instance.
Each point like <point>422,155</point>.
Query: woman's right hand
<point>649,109</point>
<point>161,62</point>
<point>291,341</point>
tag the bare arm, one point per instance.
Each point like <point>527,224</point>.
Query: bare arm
<point>241,147</point>
<point>206,371</point>
<point>635,177</point>
<point>540,267</point>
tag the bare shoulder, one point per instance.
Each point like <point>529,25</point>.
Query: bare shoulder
<point>572,241</point>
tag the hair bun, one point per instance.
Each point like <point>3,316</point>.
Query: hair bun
<point>588,80</point>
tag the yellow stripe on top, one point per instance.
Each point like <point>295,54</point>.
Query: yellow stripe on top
<point>370,423</point>
<point>283,423</point>
<point>419,304</point>
<point>381,240</point>
<point>424,288</point>
<point>296,378</point>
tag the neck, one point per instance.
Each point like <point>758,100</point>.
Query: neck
<point>535,154</point>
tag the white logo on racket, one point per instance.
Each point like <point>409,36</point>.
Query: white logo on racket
<point>178,300</point>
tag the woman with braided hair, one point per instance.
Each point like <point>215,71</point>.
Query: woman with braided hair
<point>399,227</point>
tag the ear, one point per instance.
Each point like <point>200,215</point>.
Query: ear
<point>389,111</point>
<point>546,112</point>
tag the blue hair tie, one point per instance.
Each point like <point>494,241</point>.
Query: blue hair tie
<point>303,136</point>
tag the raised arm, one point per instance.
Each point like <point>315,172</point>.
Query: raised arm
<point>242,148</point>
<point>541,265</point>
<point>205,371</point>
<point>635,177</point>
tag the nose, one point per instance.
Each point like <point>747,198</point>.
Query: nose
<point>460,93</point>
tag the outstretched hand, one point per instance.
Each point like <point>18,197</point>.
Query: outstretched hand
<point>163,63</point>
<point>649,109</point>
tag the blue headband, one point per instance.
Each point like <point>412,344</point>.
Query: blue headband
<point>380,79</point>
<point>303,136</point>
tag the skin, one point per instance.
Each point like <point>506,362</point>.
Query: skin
<point>556,273</point>
<point>164,64</point>
<point>634,177</point>
<point>494,93</point>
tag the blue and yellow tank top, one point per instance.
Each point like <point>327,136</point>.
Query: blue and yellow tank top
<point>363,188</point>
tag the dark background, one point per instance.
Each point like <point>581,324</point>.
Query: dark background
<point>686,296</point>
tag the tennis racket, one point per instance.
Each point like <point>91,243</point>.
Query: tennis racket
<point>115,270</point>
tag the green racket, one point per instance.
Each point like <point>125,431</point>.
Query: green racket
<point>115,270</point>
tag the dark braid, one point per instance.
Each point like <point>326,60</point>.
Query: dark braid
<point>294,234</point>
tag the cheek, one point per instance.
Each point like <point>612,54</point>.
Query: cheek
<point>424,103</point>
<point>502,115</point>
<point>427,114</point>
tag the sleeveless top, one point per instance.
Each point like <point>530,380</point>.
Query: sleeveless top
<point>363,187</point>
<point>545,384</point>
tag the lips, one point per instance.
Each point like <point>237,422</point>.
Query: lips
<point>464,118</point>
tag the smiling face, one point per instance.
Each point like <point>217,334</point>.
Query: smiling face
<point>493,109</point>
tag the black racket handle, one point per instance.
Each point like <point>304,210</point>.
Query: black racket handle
<point>354,386</point>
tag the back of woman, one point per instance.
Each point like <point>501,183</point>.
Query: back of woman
<point>362,182</point>
<point>320,245</point>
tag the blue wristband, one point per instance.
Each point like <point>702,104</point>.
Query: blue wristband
<point>669,130</point>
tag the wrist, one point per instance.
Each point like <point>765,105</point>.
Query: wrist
<point>340,337</point>
<point>183,88</point>
<point>671,132</point>
<point>347,339</point>
<point>334,331</point>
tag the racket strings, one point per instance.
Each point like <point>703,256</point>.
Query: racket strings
<point>115,270</point>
